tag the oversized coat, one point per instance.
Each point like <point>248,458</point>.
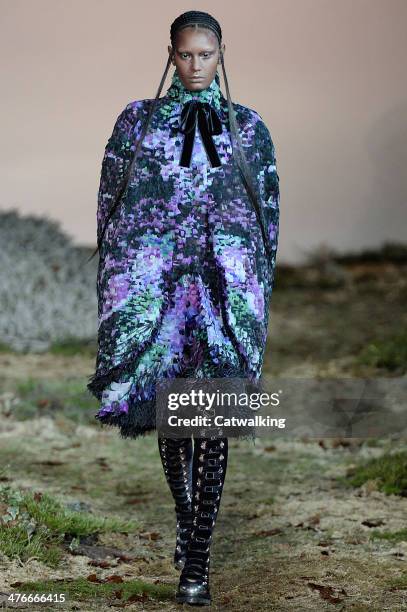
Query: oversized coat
<point>184,279</point>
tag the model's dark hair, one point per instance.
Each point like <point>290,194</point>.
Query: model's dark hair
<point>196,19</point>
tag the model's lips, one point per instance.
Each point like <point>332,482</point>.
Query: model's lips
<point>196,78</point>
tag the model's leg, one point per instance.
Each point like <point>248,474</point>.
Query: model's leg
<point>176,456</point>
<point>208,476</point>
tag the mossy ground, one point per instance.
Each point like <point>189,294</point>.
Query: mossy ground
<point>307,524</point>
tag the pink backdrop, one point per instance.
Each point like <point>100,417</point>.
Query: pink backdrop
<point>328,78</point>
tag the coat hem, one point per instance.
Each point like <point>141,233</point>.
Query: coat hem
<point>140,418</point>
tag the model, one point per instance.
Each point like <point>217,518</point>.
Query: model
<point>187,228</point>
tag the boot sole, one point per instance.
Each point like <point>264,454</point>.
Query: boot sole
<point>192,600</point>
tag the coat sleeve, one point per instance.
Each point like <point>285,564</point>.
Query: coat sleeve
<point>117,156</point>
<point>269,185</point>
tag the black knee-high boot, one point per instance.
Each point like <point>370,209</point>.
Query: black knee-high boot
<point>208,477</point>
<point>176,456</point>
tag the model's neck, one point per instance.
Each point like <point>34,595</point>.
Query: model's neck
<point>181,94</point>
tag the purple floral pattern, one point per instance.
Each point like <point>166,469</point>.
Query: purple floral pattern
<point>184,280</point>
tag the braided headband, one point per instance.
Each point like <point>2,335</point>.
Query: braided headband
<point>199,18</point>
<point>204,24</point>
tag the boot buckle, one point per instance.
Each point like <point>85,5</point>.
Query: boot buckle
<point>199,539</point>
<point>213,462</point>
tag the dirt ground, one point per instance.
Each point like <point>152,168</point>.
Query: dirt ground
<point>289,535</point>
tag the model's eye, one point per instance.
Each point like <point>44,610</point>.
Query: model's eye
<point>185,55</point>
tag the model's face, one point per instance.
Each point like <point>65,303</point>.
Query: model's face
<point>196,55</point>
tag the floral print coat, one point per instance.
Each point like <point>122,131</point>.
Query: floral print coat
<point>184,279</point>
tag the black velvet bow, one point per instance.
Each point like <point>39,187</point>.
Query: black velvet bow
<point>205,115</point>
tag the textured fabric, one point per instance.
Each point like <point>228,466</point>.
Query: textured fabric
<point>184,280</point>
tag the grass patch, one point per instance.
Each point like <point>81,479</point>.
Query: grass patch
<point>94,588</point>
<point>372,442</point>
<point>390,354</point>
<point>398,583</point>
<point>267,500</point>
<point>389,471</point>
<point>390,536</point>
<point>5,348</point>
<point>36,524</point>
<point>73,346</point>
<point>49,397</point>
